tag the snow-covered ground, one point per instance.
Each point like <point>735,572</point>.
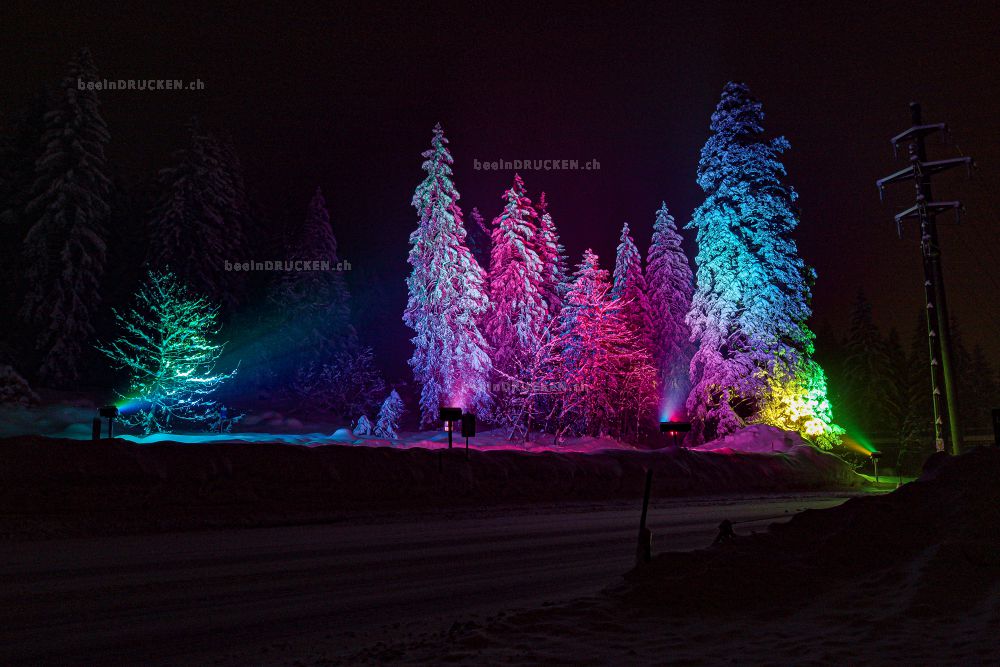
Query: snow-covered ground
<point>908,578</point>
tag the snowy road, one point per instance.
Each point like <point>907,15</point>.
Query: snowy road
<point>213,596</point>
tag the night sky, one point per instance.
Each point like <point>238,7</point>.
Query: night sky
<point>345,97</point>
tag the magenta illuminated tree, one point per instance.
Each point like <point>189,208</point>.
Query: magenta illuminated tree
<point>553,257</point>
<point>446,295</point>
<point>669,285</point>
<point>518,313</point>
<point>607,373</point>
<point>750,308</point>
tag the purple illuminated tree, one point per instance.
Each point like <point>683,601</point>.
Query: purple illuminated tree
<point>553,257</point>
<point>669,285</point>
<point>629,288</point>
<point>518,313</point>
<point>65,248</point>
<point>751,303</point>
<point>446,295</point>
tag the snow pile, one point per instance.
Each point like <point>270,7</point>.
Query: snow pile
<point>757,438</point>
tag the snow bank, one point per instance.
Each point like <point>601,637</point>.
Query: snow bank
<point>164,484</point>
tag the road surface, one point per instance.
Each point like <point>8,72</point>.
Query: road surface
<point>226,595</point>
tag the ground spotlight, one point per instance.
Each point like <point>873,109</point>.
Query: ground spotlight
<point>675,429</point>
<point>109,412</point>
<point>875,457</point>
<point>449,416</point>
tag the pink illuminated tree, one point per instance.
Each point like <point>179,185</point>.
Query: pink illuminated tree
<point>446,295</point>
<point>607,378</point>
<point>553,257</point>
<point>518,313</point>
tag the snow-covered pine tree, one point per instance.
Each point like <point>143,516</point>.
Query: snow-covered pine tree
<point>669,286</point>
<point>751,304</point>
<point>316,303</point>
<point>518,312</point>
<point>64,248</point>
<point>363,426</point>
<point>607,374</point>
<point>479,237</point>
<point>168,346</point>
<point>629,288</point>
<point>866,370</point>
<point>447,295</point>
<point>555,281</point>
<point>389,415</point>
<point>196,227</point>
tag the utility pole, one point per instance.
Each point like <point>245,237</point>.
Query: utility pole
<point>925,211</point>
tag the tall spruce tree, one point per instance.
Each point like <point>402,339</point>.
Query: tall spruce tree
<point>669,286</point>
<point>518,312</point>
<point>447,295</point>
<point>553,256</point>
<point>751,304</point>
<point>197,226</point>
<point>629,288</point>
<point>866,370</point>
<point>65,246</point>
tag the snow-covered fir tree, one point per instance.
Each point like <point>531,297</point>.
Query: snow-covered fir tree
<point>65,247</point>
<point>196,227</point>
<point>750,308</point>
<point>169,347</point>
<point>555,281</point>
<point>866,370</point>
<point>629,288</point>
<point>607,375</point>
<point>447,295</point>
<point>479,237</point>
<point>316,303</point>
<point>363,426</point>
<point>669,286</point>
<point>389,415</point>
<point>518,313</point>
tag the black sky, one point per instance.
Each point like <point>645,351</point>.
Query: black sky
<point>344,96</point>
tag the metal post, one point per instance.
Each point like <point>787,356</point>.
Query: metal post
<point>932,264</point>
<point>644,548</point>
<point>925,211</point>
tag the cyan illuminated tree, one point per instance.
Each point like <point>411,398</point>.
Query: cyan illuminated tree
<point>751,303</point>
<point>446,295</point>
<point>169,347</point>
<point>65,246</point>
<point>629,288</point>
<point>389,415</point>
<point>669,286</point>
